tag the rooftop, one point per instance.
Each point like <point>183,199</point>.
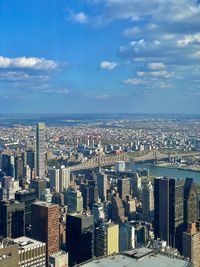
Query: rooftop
<point>27,243</point>
<point>138,258</point>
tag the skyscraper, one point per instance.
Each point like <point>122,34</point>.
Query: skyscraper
<point>191,244</point>
<point>123,188</point>
<point>40,149</point>
<point>102,186</point>
<point>168,211</point>
<point>12,219</point>
<point>27,197</point>
<point>45,225</point>
<point>80,238</point>
<point>190,203</point>
<point>147,200</point>
<point>106,239</point>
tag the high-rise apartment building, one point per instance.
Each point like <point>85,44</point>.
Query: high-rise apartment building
<point>102,186</point>
<point>74,201</point>
<point>147,201</point>
<point>45,225</point>
<point>168,211</point>
<point>40,150</point>
<point>117,210</point>
<point>59,259</point>
<point>80,238</point>
<point>106,239</point>
<point>123,188</point>
<point>191,244</point>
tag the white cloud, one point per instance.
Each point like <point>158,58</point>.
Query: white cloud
<point>156,66</point>
<point>133,81</point>
<point>21,76</point>
<point>80,17</point>
<point>108,65</point>
<point>27,63</point>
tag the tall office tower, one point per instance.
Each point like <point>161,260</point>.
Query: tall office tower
<point>123,188</point>
<point>147,201</point>
<point>45,225</point>
<point>90,194</point>
<point>54,175</point>
<point>8,165</point>
<point>80,238</point>
<point>106,239</point>
<point>191,244</point>
<point>136,182</point>
<point>31,253</point>
<point>168,211</point>
<point>39,185</point>
<point>19,167</point>
<point>126,236</point>
<point>64,179</point>
<point>12,219</point>
<point>27,197</point>
<point>40,150</point>
<point>74,201</point>
<point>117,210</point>
<point>102,183</point>
<point>190,203</point>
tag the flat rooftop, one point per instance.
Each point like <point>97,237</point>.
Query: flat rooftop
<point>137,258</point>
<point>26,242</point>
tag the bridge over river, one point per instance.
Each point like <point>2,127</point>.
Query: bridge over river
<point>110,160</point>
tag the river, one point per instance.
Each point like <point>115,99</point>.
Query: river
<point>171,172</point>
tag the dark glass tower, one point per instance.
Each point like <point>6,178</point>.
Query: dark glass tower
<point>190,203</point>
<point>12,219</point>
<point>168,211</point>
<point>40,150</point>
<point>79,236</point>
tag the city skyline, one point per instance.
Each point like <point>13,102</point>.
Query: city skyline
<point>100,56</point>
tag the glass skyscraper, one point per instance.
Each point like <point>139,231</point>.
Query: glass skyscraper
<point>40,149</point>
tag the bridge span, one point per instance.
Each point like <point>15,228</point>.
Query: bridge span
<point>153,155</point>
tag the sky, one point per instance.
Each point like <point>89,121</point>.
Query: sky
<point>96,56</point>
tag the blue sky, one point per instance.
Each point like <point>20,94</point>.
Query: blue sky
<point>75,56</point>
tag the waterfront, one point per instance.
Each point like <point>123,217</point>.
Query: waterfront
<point>171,172</point>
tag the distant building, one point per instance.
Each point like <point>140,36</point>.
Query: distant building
<point>40,150</point>
<point>74,201</point>
<point>117,210</point>
<point>147,201</point>
<point>191,245</point>
<point>12,214</point>
<point>123,188</point>
<point>8,188</point>
<point>39,185</point>
<point>80,238</point>
<point>59,259</point>
<point>102,186</point>
<point>120,166</point>
<point>45,225</point>
<point>8,165</point>
<point>106,239</point>
<point>98,212</point>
